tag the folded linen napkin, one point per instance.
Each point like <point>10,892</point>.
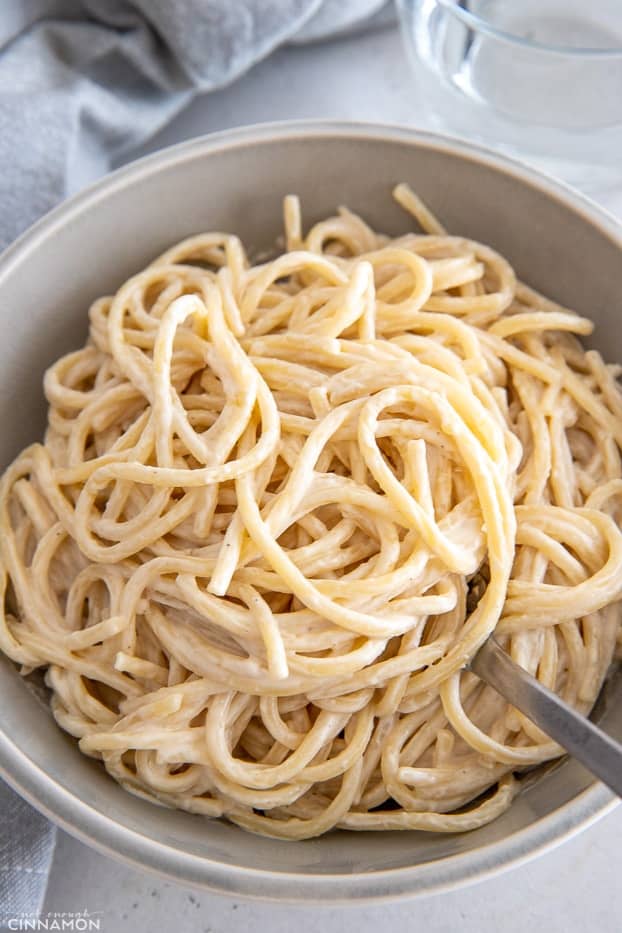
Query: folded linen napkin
<point>82,81</point>
<point>26,847</point>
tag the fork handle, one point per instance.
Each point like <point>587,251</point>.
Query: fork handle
<point>596,750</point>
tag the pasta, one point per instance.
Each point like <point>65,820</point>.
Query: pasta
<point>278,508</point>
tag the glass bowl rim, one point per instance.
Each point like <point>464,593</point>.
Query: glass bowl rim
<point>473,21</point>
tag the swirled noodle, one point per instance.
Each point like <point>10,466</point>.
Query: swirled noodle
<point>278,508</point>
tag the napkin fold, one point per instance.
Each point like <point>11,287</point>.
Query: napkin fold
<point>82,82</point>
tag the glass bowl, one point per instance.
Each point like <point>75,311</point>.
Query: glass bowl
<point>541,79</point>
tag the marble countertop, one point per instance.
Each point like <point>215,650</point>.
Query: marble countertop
<point>572,889</point>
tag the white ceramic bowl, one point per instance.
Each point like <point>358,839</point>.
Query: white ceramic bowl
<point>558,242</point>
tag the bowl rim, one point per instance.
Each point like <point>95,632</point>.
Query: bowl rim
<point>111,837</point>
<point>479,23</point>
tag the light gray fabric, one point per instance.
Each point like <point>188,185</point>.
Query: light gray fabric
<point>26,847</point>
<point>82,81</point>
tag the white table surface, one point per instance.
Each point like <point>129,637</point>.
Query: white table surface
<point>574,888</point>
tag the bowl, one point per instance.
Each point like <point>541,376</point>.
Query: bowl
<point>500,72</point>
<point>559,243</point>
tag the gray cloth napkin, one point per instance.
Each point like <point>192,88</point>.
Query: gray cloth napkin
<point>26,847</point>
<point>82,81</point>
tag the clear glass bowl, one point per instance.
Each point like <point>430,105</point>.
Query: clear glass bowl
<point>541,79</point>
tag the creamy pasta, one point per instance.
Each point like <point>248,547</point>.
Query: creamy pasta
<point>278,508</point>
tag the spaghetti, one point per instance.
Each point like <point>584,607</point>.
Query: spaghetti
<point>280,506</point>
